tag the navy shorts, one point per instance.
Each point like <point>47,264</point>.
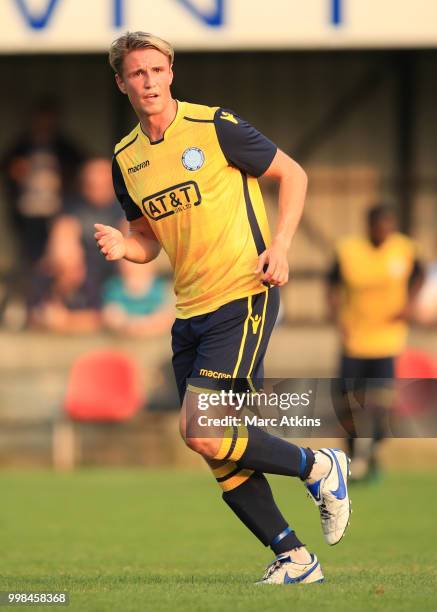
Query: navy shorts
<point>226,344</point>
<point>356,376</point>
<point>355,367</point>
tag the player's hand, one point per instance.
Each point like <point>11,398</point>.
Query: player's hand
<point>110,241</point>
<point>273,265</point>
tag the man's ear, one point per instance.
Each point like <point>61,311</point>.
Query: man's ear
<point>171,74</point>
<point>120,83</point>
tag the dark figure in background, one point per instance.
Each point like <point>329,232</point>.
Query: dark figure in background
<point>39,169</point>
<point>62,299</point>
<point>74,230</point>
<point>65,294</point>
<point>372,286</point>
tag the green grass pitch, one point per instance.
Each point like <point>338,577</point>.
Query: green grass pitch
<point>162,540</point>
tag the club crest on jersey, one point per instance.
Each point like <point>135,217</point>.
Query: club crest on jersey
<point>193,158</point>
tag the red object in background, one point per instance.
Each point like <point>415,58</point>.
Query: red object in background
<point>416,396</point>
<point>414,363</point>
<point>103,386</point>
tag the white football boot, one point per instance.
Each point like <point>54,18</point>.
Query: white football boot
<point>330,494</point>
<point>284,571</point>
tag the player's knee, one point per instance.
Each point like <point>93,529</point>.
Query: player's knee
<point>203,446</point>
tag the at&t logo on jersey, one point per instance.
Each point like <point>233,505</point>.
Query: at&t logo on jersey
<point>172,200</point>
<point>193,158</point>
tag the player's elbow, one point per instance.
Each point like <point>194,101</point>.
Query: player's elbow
<point>297,173</point>
<point>284,168</point>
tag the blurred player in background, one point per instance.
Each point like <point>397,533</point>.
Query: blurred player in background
<point>372,286</point>
<point>186,177</point>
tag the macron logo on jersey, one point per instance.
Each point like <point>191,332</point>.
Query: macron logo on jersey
<point>140,166</point>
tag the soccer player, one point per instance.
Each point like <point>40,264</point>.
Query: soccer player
<point>372,286</point>
<point>186,177</point>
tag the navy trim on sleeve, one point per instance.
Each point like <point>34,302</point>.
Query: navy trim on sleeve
<point>130,208</point>
<point>417,273</point>
<point>242,145</point>
<point>334,275</point>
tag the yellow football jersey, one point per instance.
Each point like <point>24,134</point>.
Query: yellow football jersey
<point>375,290</point>
<point>197,188</point>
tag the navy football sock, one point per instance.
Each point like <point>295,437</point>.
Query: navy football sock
<point>253,448</point>
<point>253,503</point>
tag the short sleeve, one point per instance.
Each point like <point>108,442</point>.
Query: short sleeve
<point>130,208</point>
<point>242,145</point>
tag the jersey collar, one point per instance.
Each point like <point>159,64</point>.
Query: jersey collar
<point>179,114</point>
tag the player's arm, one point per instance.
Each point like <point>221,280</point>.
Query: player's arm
<point>139,246</point>
<point>292,181</point>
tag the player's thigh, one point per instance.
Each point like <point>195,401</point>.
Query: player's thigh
<point>348,390</point>
<point>381,392</point>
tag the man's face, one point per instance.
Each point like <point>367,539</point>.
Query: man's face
<point>146,80</point>
<point>382,228</point>
<point>96,183</point>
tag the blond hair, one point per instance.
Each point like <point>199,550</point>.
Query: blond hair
<point>136,40</point>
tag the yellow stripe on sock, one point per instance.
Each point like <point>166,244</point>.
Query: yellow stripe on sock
<point>225,444</point>
<point>224,470</point>
<point>236,481</point>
